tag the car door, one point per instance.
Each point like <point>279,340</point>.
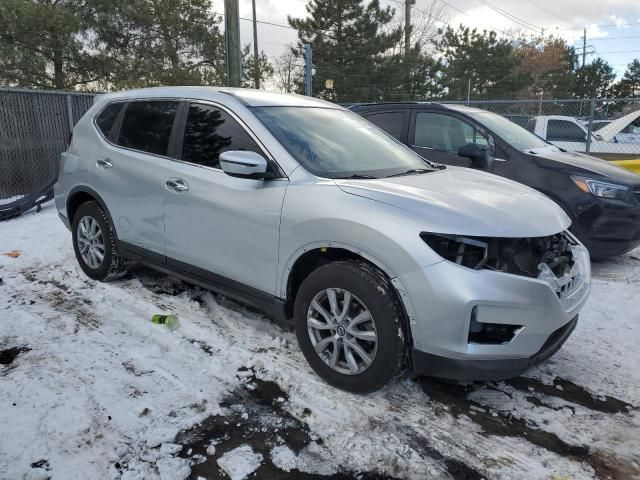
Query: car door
<point>215,223</point>
<point>437,136</point>
<point>128,171</point>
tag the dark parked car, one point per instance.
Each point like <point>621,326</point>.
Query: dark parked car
<point>602,199</point>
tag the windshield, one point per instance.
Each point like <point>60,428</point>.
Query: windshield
<point>516,136</point>
<point>334,143</point>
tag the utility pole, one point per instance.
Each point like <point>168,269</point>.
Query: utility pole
<point>584,47</point>
<point>407,25</point>
<point>256,58</point>
<point>308,70</point>
<point>232,43</point>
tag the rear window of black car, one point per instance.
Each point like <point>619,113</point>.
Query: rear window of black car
<point>146,126</point>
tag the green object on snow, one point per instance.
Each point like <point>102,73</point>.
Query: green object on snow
<point>169,321</point>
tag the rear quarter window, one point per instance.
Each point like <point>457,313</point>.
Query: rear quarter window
<point>107,119</point>
<point>147,125</point>
<point>390,122</point>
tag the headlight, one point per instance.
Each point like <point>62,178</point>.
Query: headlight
<point>465,251</point>
<point>518,256</point>
<point>601,189</point>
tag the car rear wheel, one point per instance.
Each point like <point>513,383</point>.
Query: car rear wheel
<point>94,243</point>
<point>349,325</point>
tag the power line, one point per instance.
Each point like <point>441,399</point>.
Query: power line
<point>510,16</point>
<point>551,12</point>
<point>273,24</point>
<point>629,24</point>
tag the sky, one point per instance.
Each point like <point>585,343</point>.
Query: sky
<point>613,26</point>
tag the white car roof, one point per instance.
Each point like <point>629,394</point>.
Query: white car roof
<point>247,96</point>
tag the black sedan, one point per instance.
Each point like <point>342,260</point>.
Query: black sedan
<point>602,199</point>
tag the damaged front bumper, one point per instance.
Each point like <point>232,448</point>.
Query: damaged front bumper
<point>469,324</point>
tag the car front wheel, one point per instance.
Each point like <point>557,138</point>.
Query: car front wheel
<point>349,325</point>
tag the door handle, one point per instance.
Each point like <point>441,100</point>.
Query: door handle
<point>176,185</point>
<point>104,163</point>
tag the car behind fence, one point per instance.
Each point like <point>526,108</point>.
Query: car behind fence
<point>35,127</point>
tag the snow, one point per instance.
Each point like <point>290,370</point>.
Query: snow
<point>98,391</point>
<point>7,201</point>
<point>240,462</point>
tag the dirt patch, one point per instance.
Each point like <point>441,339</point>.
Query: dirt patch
<point>456,468</point>
<point>10,354</point>
<point>62,298</point>
<point>254,415</point>
<point>573,393</point>
<point>506,425</point>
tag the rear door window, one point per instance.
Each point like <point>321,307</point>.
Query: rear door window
<point>147,125</point>
<point>564,131</point>
<point>210,131</point>
<point>390,122</point>
<point>107,119</point>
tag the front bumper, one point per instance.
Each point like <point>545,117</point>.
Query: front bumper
<point>441,298</point>
<point>496,369</point>
<point>608,227</point>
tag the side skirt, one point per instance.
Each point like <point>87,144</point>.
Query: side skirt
<point>270,305</point>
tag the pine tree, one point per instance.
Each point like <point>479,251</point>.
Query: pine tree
<point>481,61</point>
<point>349,39</point>
<point>249,67</point>
<point>46,44</point>
<point>163,42</point>
<point>594,80</point>
<point>629,85</point>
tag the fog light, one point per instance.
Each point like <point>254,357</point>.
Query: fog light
<point>490,333</point>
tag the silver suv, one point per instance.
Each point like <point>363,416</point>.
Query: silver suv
<point>380,259</point>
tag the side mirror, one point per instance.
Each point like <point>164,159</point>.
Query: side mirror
<point>481,156</point>
<point>242,163</point>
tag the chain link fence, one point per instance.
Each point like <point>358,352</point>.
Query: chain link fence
<point>34,129</point>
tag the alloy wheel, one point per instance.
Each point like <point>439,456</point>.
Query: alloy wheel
<point>91,242</point>
<point>342,331</point>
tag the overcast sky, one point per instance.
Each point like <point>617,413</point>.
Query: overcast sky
<point>613,26</point>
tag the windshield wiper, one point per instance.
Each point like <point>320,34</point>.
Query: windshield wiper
<point>411,172</point>
<point>355,176</point>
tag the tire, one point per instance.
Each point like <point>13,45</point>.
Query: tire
<point>369,290</point>
<point>112,266</point>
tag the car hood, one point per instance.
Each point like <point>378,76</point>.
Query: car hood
<point>462,201</point>
<point>611,130</point>
<point>587,164</point>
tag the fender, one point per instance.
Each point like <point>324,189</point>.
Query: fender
<point>395,280</point>
<point>90,191</point>
<point>284,274</point>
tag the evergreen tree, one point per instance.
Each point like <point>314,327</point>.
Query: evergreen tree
<point>594,80</point>
<point>349,40</point>
<point>163,42</point>
<point>49,44</point>
<point>481,61</point>
<point>629,85</point>
<point>411,76</point>
<point>249,67</point>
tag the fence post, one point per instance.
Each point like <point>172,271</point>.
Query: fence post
<point>590,129</point>
<point>308,70</point>
<point>70,113</point>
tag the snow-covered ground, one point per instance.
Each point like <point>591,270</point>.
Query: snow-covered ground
<point>90,388</point>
